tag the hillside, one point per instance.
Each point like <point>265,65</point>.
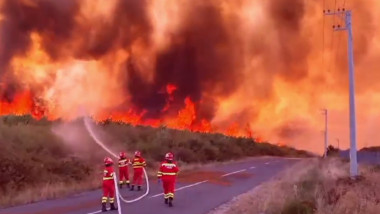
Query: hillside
<point>58,158</point>
<point>371,149</point>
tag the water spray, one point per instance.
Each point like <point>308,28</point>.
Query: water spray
<point>101,144</point>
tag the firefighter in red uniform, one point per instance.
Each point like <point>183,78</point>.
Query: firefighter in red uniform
<point>108,185</point>
<point>167,173</point>
<point>123,170</point>
<point>138,164</point>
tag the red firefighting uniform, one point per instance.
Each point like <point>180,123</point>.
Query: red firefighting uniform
<point>168,172</point>
<point>123,171</point>
<point>108,185</point>
<point>138,164</point>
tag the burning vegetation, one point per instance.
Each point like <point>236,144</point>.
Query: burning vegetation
<point>241,68</point>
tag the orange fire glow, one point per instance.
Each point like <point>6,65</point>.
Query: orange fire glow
<point>250,68</point>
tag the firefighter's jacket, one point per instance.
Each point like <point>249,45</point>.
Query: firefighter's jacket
<point>138,163</point>
<point>168,171</point>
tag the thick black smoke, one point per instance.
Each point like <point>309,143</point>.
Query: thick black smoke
<point>201,60</point>
<point>204,58</point>
<point>294,48</point>
<point>53,20</point>
<point>130,21</point>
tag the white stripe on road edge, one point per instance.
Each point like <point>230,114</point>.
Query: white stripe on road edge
<point>181,188</point>
<point>231,173</point>
<point>252,167</point>
<point>99,211</point>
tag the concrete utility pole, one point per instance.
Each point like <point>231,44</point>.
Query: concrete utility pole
<point>348,27</point>
<point>325,112</point>
<point>338,143</point>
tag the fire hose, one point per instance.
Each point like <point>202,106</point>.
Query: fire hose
<point>101,144</point>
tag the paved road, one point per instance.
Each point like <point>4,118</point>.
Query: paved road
<point>200,194</point>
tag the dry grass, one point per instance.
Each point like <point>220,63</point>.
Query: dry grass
<point>312,186</point>
<point>47,191</point>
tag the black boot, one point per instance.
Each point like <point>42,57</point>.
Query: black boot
<point>132,188</point>
<point>166,201</point>
<point>104,209</point>
<point>170,202</point>
<point>113,206</point>
<point>128,185</point>
<point>139,188</point>
<point>120,186</point>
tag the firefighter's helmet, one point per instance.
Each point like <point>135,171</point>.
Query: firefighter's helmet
<point>122,155</point>
<point>169,156</point>
<point>108,161</point>
<point>137,153</point>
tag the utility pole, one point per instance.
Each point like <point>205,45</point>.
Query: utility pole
<point>338,143</point>
<point>325,112</point>
<point>348,27</point>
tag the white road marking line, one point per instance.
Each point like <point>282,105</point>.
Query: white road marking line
<point>99,211</point>
<point>252,167</point>
<point>267,163</point>
<point>231,173</point>
<point>181,188</point>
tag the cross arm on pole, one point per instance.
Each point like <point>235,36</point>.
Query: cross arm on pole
<point>339,13</point>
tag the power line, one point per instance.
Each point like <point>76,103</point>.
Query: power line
<point>339,40</point>
<point>323,36</point>
<point>331,61</point>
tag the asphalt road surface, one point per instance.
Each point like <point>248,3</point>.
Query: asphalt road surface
<point>199,193</point>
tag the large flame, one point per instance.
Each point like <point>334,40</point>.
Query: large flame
<point>252,68</point>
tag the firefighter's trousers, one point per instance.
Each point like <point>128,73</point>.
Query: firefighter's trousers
<point>108,191</point>
<point>138,176</point>
<point>123,174</point>
<point>169,185</point>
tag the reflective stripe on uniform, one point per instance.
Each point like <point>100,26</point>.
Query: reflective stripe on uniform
<point>123,163</point>
<point>124,182</point>
<point>104,199</point>
<point>169,173</point>
<point>169,164</point>
<point>107,178</point>
<point>112,200</point>
<point>169,195</point>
